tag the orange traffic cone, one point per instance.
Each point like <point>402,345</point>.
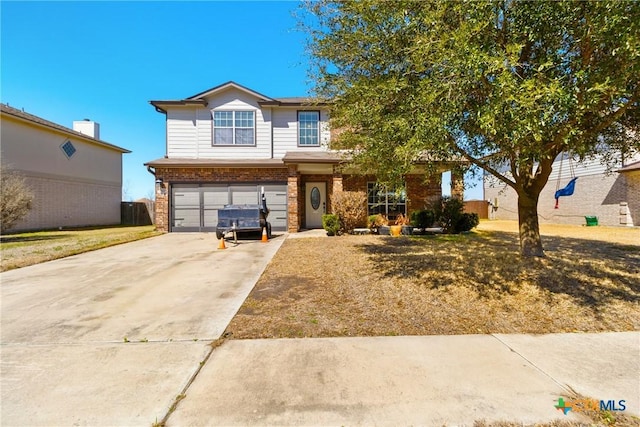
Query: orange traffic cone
<point>265,238</point>
<point>221,244</point>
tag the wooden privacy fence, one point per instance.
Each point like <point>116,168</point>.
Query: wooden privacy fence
<point>136,213</point>
<point>481,207</point>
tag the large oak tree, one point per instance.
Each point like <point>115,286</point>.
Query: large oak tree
<point>505,85</point>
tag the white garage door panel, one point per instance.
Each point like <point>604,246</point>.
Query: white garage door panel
<point>243,195</point>
<point>276,195</point>
<point>277,203</point>
<point>187,198</point>
<point>186,218</point>
<point>215,197</point>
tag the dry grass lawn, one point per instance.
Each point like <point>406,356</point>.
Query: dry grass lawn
<point>462,284</point>
<point>23,249</point>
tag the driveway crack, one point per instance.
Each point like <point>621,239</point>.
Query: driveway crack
<point>566,387</point>
<point>214,345</point>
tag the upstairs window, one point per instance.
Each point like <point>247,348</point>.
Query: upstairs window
<point>233,128</point>
<point>308,129</point>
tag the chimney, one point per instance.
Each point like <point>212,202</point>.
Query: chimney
<point>88,128</point>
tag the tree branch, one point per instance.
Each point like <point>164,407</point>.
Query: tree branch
<point>483,165</point>
<point>612,117</point>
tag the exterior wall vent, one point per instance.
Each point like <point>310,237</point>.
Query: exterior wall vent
<point>68,149</point>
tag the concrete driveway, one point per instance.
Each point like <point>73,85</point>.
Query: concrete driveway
<point>111,337</point>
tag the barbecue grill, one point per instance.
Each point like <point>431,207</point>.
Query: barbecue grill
<point>243,218</point>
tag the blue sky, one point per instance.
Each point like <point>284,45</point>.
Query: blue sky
<point>66,61</point>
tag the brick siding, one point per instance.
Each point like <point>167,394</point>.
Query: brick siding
<point>419,193</point>
<point>70,203</point>
<point>208,175</point>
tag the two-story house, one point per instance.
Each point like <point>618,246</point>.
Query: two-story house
<point>75,177</point>
<point>228,143</point>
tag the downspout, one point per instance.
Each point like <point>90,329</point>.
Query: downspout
<point>271,109</point>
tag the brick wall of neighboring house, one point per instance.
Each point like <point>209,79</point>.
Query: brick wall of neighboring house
<point>594,195</point>
<point>208,175</point>
<point>633,195</point>
<point>69,202</point>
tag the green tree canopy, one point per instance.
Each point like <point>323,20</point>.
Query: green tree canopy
<point>505,85</point>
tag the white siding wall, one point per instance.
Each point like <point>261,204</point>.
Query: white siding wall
<point>190,132</point>
<point>182,133</point>
<point>285,131</point>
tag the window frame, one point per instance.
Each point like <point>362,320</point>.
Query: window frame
<point>402,202</point>
<point>317,143</point>
<point>233,128</point>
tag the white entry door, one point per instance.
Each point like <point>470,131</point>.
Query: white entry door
<point>315,204</point>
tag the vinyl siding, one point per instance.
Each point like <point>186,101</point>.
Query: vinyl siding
<point>190,129</point>
<point>596,194</point>
<point>182,133</point>
<point>285,131</point>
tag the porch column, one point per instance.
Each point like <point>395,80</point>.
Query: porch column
<point>457,184</point>
<point>336,187</point>
<point>293,188</point>
<point>161,219</point>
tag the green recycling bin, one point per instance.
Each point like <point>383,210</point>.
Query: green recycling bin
<point>591,220</point>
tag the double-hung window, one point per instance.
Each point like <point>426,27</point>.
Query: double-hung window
<point>308,128</point>
<point>386,201</point>
<point>234,128</point>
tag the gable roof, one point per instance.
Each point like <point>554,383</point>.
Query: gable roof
<point>40,122</point>
<point>229,84</point>
<point>263,100</point>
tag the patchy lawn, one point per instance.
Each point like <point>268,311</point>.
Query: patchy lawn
<point>462,284</point>
<point>21,250</point>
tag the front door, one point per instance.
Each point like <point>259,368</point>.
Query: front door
<point>316,203</point>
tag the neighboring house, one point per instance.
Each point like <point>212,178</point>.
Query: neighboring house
<point>75,177</point>
<point>224,145</point>
<point>614,198</point>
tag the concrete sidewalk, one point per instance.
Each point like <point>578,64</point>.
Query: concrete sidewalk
<point>398,381</point>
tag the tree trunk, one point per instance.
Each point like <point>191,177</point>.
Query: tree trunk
<point>530,242</point>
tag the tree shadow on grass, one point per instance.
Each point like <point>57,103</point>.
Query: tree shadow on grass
<point>22,239</point>
<point>592,273</point>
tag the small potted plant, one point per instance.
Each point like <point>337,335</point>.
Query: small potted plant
<point>406,229</point>
<point>382,223</point>
<point>400,222</point>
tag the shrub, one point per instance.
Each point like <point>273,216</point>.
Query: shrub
<point>16,198</point>
<point>351,208</point>
<point>466,222</point>
<point>378,220</point>
<point>331,223</point>
<point>422,219</point>
<point>449,214</point>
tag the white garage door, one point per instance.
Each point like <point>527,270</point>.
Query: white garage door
<point>195,206</point>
